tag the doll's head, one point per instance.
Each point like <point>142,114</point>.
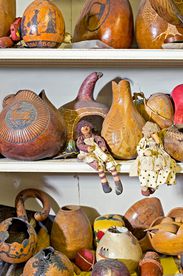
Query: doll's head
<point>150,128</point>
<point>84,127</point>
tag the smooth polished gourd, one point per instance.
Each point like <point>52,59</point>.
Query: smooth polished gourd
<point>31,127</point>
<point>122,135</point>
<point>152,31</point>
<point>110,21</point>
<point>7,15</point>
<point>169,10</point>
<point>42,25</point>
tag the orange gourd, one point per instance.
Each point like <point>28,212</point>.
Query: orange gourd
<point>110,21</point>
<point>42,25</point>
<point>122,126</point>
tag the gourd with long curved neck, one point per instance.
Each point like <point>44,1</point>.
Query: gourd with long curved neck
<point>83,105</point>
<point>169,10</point>
<point>122,127</point>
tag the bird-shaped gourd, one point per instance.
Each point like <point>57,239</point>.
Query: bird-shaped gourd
<point>169,10</point>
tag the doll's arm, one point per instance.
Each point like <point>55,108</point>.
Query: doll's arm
<point>100,142</point>
<point>81,145</point>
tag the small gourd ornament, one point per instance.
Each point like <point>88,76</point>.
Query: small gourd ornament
<point>122,126</point>
<point>42,25</point>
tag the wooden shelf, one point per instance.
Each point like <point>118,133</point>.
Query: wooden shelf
<point>58,166</point>
<point>90,57</point>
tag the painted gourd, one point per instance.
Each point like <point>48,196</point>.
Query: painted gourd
<point>119,243</point>
<point>31,127</point>
<point>110,21</point>
<point>122,135</point>
<point>169,10</point>
<point>7,15</point>
<point>49,262</point>
<point>42,25</point>
<point>18,239</point>
<point>152,31</point>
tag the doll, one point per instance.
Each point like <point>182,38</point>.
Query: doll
<point>154,164</point>
<point>93,151</point>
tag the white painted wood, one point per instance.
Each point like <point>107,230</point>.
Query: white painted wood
<point>97,57</point>
<point>60,166</point>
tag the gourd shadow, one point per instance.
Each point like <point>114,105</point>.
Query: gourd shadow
<point>105,94</point>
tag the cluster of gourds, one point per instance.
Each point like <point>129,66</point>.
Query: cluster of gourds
<point>118,243</point>
<point>108,21</point>
<point>32,128</point>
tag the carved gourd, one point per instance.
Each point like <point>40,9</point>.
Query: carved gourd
<point>169,10</point>
<point>31,127</point>
<point>160,109</point>
<point>110,21</point>
<point>122,127</point>
<point>152,31</point>
<point>42,25</point>
<point>173,142</point>
<point>7,15</point>
<point>84,106</point>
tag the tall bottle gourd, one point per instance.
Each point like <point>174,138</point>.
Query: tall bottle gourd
<point>122,127</point>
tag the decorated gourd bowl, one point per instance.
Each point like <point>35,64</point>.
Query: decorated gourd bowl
<point>31,127</point>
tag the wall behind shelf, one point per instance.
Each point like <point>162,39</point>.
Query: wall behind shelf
<point>61,85</point>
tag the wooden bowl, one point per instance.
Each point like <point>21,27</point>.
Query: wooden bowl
<point>164,241</point>
<point>141,214</point>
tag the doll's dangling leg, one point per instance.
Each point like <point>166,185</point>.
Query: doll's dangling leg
<point>117,181</point>
<point>105,185</point>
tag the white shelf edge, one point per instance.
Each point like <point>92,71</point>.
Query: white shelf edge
<point>104,57</point>
<point>58,166</point>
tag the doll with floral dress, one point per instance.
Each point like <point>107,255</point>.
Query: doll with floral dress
<point>154,166</point>
<point>93,151</point>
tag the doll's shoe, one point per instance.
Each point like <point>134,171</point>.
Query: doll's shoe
<point>106,188</point>
<point>145,192</point>
<point>118,187</point>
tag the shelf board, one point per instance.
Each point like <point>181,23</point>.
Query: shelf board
<point>58,166</point>
<point>91,57</point>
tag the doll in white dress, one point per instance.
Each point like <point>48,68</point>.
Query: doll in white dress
<point>154,165</point>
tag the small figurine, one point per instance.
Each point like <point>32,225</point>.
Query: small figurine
<point>154,164</point>
<point>93,150</point>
